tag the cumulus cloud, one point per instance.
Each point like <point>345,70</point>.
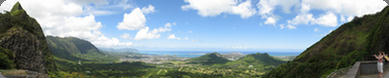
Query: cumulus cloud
<point>347,7</point>
<point>133,21</point>
<point>266,8</point>
<point>145,33</point>
<point>173,37</point>
<point>65,18</point>
<point>149,9</point>
<point>302,19</point>
<point>337,10</point>
<point>270,20</point>
<point>217,7</point>
<point>329,19</point>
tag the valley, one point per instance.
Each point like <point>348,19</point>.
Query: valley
<point>72,43</point>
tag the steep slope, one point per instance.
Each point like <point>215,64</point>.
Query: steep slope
<point>257,59</point>
<point>23,36</point>
<point>209,59</point>
<point>6,59</point>
<point>353,41</point>
<point>72,48</point>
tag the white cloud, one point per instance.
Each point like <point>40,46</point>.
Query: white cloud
<point>328,19</point>
<point>282,26</point>
<point>347,7</point>
<point>267,7</point>
<point>217,7</point>
<point>154,34</point>
<point>302,19</point>
<point>64,18</point>
<point>133,21</point>
<point>111,42</point>
<point>149,9</point>
<point>86,2</point>
<point>146,34</point>
<point>244,9</point>
<point>126,36</point>
<point>173,37</point>
<point>270,20</point>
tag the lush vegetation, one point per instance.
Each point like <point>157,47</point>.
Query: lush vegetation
<point>249,66</point>
<point>351,42</point>
<point>258,60</point>
<point>209,59</point>
<point>75,49</point>
<point>6,59</point>
<point>211,65</point>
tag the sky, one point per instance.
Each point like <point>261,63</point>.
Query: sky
<point>196,25</point>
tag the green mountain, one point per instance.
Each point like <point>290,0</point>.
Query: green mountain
<point>23,42</point>
<point>353,41</point>
<point>209,59</point>
<point>75,49</point>
<point>257,59</point>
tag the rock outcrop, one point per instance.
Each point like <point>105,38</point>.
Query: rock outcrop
<point>22,35</point>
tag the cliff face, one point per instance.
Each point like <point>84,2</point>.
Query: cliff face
<point>23,36</point>
<point>353,41</point>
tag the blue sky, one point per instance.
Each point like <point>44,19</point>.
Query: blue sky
<point>198,25</point>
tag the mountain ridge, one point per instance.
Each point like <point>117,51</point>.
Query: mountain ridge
<point>72,48</point>
<point>23,36</point>
<point>209,59</point>
<point>354,41</point>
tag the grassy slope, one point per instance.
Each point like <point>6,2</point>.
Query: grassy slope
<point>353,41</point>
<point>75,49</point>
<point>258,60</point>
<point>209,59</point>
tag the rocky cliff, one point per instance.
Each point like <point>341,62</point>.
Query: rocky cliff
<point>23,36</point>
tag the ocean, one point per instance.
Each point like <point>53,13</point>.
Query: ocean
<point>200,53</point>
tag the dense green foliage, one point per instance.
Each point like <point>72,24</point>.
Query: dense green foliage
<point>6,59</point>
<point>76,49</point>
<point>351,42</point>
<point>172,69</point>
<point>101,70</point>
<point>79,58</point>
<point>257,59</point>
<point>249,66</point>
<point>209,59</point>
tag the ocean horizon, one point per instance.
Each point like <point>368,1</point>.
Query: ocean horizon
<point>192,54</point>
